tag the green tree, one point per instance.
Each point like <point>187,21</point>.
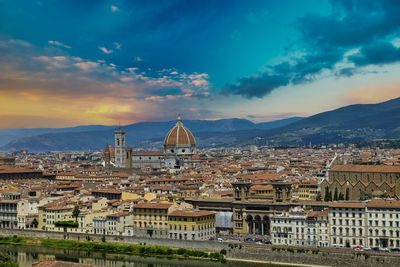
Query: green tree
<point>341,196</point>
<point>326,198</point>
<point>365,195</point>
<point>347,194</point>
<point>336,196</point>
<point>75,212</point>
<point>318,197</point>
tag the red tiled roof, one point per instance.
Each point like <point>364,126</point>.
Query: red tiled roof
<point>366,168</point>
<point>184,213</point>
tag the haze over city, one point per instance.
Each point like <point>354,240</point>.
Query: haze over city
<point>67,63</point>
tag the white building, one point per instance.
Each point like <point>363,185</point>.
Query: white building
<point>383,217</point>
<point>116,223</point>
<point>289,228</point>
<point>347,223</point>
<point>300,228</point>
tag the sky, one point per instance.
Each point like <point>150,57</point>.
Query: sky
<point>68,63</point>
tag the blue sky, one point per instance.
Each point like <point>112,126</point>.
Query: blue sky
<point>106,62</point>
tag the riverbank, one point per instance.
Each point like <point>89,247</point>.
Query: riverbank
<point>244,252</point>
<point>116,248</point>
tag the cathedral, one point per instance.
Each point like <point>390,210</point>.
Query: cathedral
<point>179,150</point>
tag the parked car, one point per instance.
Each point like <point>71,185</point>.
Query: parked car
<point>357,247</point>
<point>211,238</point>
<point>366,248</point>
<point>395,250</point>
<point>220,239</point>
<point>384,250</point>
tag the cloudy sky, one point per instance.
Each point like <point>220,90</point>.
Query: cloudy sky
<point>66,63</point>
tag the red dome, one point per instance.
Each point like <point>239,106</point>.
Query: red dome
<point>179,135</point>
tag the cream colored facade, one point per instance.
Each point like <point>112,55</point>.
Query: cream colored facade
<point>191,225</point>
<point>151,219</point>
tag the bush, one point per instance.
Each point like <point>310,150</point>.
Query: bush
<point>223,251</point>
<point>66,224</point>
<point>315,251</point>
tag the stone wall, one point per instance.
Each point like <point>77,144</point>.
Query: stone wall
<point>324,257</point>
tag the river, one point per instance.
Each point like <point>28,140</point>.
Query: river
<point>26,255</point>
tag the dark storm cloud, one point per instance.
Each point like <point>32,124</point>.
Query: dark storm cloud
<point>378,53</point>
<point>368,26</point>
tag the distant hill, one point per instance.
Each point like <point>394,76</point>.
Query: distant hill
<point>143,135</point>
<point>362,122</point>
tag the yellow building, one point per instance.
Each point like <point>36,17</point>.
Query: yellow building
<point>307,190</point>
<point>151,219</point>
<point>51,213</point>
<point>191,225</point>
<point>60,211</point>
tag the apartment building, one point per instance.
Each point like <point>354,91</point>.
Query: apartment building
<point>151,219</point>
<point>383,224</point>
<point>191,225</point>
<point>347,223</point>
<point>289,228</point>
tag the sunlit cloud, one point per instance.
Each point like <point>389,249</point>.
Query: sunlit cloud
<point>105,50</point>
<point>56,43</point>
<point>80,91</point>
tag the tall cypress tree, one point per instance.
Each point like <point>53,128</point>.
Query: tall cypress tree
<point>326,197</point>
<point>336,196</point>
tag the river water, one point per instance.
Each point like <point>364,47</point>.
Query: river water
<point>26,255</point>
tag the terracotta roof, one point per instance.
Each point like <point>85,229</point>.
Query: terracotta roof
<point>19,171</point>
<point>366,168</point>
<point>185,213</point>
<point>383,203</point>
<point>153,205</point>
<point>347,205</point>
<point>120,214</point>
<point>107,191</point>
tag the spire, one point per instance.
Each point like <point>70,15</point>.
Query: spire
<point>179,120</point>
<point>107,149</point>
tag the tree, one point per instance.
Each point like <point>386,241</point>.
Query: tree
<point>341,196</point>
<point>318,197</point>
<point>336,196</point>
<point>365,195</point>
<point>75,212</point>
<point>327,193</point>
<point>347,194</point>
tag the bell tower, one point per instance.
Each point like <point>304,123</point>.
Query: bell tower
<point>241,190</point>
<point>120,147</point>
<point>107,158</point>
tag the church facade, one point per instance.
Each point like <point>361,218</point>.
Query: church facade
<point>178,150</point>
<point>354,181</point>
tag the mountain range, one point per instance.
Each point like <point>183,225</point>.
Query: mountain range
<point>354,123</point>
<point>93,137</point>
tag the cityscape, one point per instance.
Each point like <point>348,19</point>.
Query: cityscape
<point>199,133</point>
